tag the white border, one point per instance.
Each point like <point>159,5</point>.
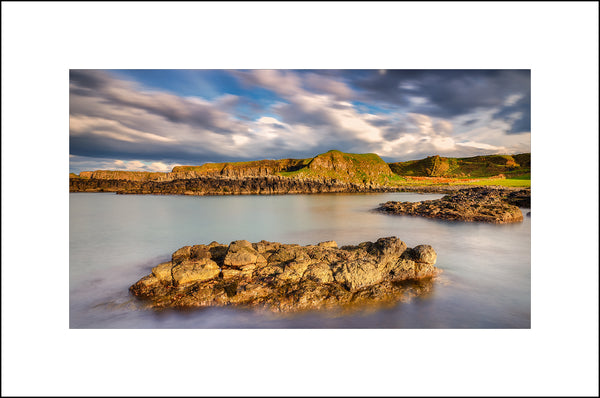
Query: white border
<point>41,41</point>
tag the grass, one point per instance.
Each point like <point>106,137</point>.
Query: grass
<point>348,167</point>
<point>507,182</point>
<point>473,167</point>
<point>440,181</point>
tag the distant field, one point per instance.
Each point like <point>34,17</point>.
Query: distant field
<point>424,181</point>
<point>509,182</point>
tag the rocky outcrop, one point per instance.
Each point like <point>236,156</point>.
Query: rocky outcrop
<point>520,197</point>
<point>255,168</point>
<point>470,204</point>
<point>333,171</point>
<point>348,167</point>
<point>224,186</point>
<point>288,277</point>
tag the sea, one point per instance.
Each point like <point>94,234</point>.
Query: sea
<point>114,240</point>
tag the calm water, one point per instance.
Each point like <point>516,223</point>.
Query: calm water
<point>117,239</point>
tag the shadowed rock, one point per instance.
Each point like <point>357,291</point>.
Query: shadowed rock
<point>287,277</point>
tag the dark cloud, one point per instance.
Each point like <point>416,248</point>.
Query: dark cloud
<point>173,108</point>
<point>295,113</point>
<point>521,123</point>
<point>101,147</point>
<point>450,93</point>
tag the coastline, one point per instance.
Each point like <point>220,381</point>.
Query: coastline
<point>268,185</point>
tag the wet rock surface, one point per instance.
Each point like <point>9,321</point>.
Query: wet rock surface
<point>494,205</point>
<point>289,277</point>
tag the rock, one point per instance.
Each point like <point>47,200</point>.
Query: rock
<point>293,271</point>
<point>181,254</point>
<point>521,198</point>
<point>385,247</point>
<point>424,254</point>
<point>357,274</point>
<point>195,271</point>
<point>333,171</point>
<point>200,251</point>
<point>163,271</point>
<point>241,253</point>
<point>286,277</point>
<point>319,272</point>
<point>329,243</point>
<point>469,204</point>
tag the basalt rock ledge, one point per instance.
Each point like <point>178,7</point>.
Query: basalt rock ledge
<point>472,204</point>
<point>289,277</point>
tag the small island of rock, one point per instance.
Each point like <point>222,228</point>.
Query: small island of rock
<point>472,204</point>
<point>288,277</point>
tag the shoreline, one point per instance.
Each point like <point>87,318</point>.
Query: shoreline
<point>257,186</point>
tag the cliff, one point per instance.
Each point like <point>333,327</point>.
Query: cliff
<point>206,185</point>
<point>257,168</point>
<point>347,167</point>
<point>333,171</point>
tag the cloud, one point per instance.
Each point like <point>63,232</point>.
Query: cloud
<point>337,120</point>
<point>479,145</point>
<point>80,124</point>
<point>84,163</point>
<point>450,93</point>
<point>193,111</point>
<point>326,85</point>
<point>517,113</point>
<point>110,117</point>
<point>282,82</point>
<point>283,113</point>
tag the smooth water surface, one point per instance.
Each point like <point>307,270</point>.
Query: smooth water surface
<point>116,239</point>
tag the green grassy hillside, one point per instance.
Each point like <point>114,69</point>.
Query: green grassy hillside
<point>512,166</point>
<point>348,167</point>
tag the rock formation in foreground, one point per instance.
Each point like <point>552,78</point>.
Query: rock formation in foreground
<point>471,204</point>
<point>289,277</point>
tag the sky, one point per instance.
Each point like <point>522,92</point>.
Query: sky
<point>153,120</point>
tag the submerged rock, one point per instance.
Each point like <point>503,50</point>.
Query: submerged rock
<point>471,204</point>
<point>288,277</point>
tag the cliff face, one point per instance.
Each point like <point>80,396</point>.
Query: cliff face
<point>258,168</point>
<point>357,168</point>
<point>333,171</point>
<point>206,185</point>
